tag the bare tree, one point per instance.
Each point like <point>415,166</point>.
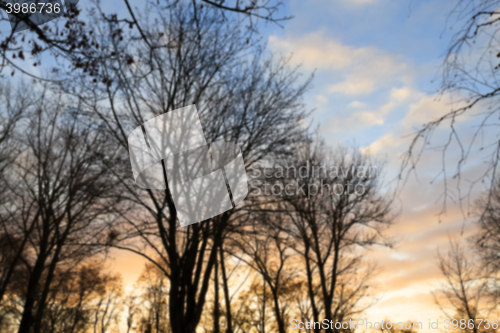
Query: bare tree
<point>242,97</point>
<point>251,305</point>
<point>60,198</point>
<point>108,305</point>
<point>231,279</point>
<point>154,299</point>
<point>15,103</point>
<point>466,133</point>
<point>82,300</point>
<point>487,241</point>
<point>488,238</point>
<point>265,249</point>
<point>69,37</point>
<point>464,290</point>
<point>333,215</point>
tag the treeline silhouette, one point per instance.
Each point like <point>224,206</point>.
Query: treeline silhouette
<point>67,196</point>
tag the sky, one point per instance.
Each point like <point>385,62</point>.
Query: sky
<point>376,72</point>
<point>376,65</point>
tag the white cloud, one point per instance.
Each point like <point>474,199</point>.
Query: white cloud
<point>383,143</point>
<point>428,108</point>
<point>315,51</point>
<point>419,108</point>
<point>355,85</point>
<point>321,99</point>
<point>356,104</point>
<point>363,117</point>
<point>358,71</point>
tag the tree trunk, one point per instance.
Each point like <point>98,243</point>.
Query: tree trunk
<point>277,312</point>
<point>216,298</point>
<point>19,252</point>
<point>50,276</point>
<point>310,289</point>
<point>227,298</point>
<point>29,301</point>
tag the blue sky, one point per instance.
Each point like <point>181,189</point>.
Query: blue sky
<point>393,44</point>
